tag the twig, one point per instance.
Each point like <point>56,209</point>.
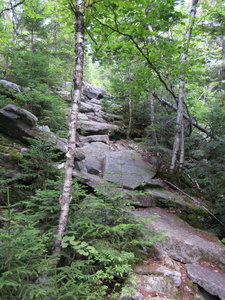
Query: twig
<point>190,118</point>
<point>196,201</point>
<point>12,7</point>
<point>141,51</point>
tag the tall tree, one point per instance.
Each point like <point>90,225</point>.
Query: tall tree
<point>178,147</point>
<point>152,118</point>
<point>66,197</point>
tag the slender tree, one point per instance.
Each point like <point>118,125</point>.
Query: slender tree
<point>152,118</point>
<point>65,198</point>
<point>178,146</point>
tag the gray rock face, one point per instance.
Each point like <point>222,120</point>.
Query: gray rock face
<point>183,242</point>
<point>91,180</point>
<point>213,282</point>
<point>9,85</point>
<point>95,101</point>
<point>104,138</point>
<point>96,117</point>
<point>127,169</point>
<point>58,142</point>
<point>20,115</point>
<point>159,194</point>
<point>152,283</point>
<point>161,298</point>
<point>87,107</point>
<point>17,123</point>
<point>92,91</point>
<point>173,275</point>
<point>93,127</point>
<point>144,200</point>
<point>159,270</point>
<point>82,117</point>
<point>153,196</point>
<point>95,154</point>
<point>136,296</point>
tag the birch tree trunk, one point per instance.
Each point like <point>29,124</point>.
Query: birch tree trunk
<point>130,112</point>
<point>65,198</point>
<point>178,146</point>
<point>152,118</point>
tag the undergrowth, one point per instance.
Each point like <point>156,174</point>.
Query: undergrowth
<point>102,241</point>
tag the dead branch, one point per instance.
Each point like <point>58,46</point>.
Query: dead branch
<point>12,7</point>
<point>196,201</point>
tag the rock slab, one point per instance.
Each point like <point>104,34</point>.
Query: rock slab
<point>127,168</point>
<point>211,280</point>
<point>183,242</point>
<point>17,122</point>
<point>95,154</point>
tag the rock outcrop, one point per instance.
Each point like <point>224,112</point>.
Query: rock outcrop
<point>94,92</point>
<point>17,123</point>
<point>208,277</point>
<point>9,85</point>
<point>181,241</point>
<point>193,255</point>
<point>127,169</point>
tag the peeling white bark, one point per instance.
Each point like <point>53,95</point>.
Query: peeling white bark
<point>178,146</point>
<point>152,118</point>
<point>65,198</point>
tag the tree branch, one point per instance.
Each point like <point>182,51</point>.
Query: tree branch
<point>188,117</point>
<point>12,7</point>
<point>91,37</point>
<point>151,65</point>
<point>196,201</point>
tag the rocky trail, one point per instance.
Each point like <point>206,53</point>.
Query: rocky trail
<point>189,263</point>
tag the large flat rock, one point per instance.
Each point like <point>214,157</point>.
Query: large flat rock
<point>104,138</point>
<point>94,156</point>
<point>93,91</point>
<point>17,123</point>
<point>89,179</point>
<point>93,127</point>
<point>183,242</point>
<point>127,168</point>
<point>211,280</point>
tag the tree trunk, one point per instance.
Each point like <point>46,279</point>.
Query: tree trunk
<point>130,112</point>
<point>188,117</point>
<point>152,118</point>
<point>178,146</point>
<point>179,135</point>
<point>65,198</point>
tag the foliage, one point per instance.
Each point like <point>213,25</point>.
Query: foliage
<point>23,247</point>
<point>104,233</point>
<point>102,241</point>
<point>209,172</point>
<point>93,263</point>
<point>38,162</point>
